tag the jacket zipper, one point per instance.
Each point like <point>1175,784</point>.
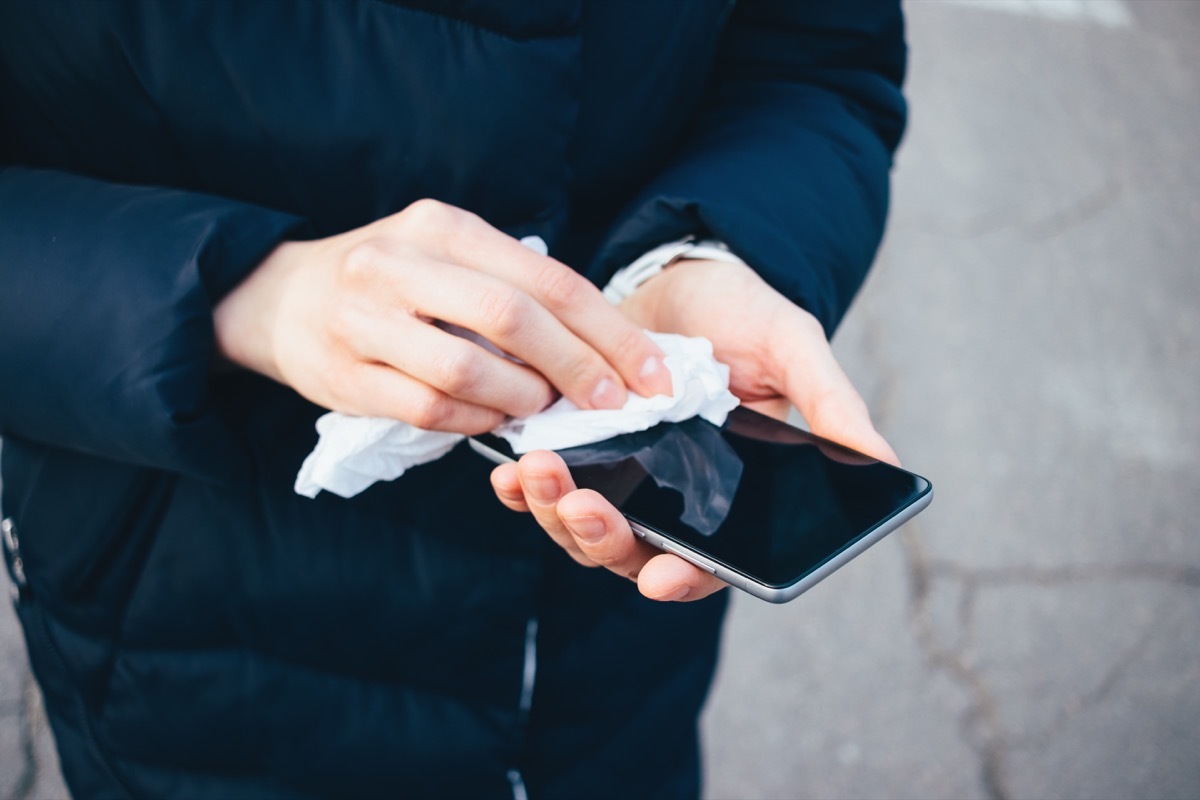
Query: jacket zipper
<point>528,679</point>
<point>39,627</point>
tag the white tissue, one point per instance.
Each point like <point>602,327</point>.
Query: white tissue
<point>700,387</point>
<point>354,452</point>
<point>537,244</point>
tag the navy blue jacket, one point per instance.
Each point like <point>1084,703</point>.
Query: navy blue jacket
<point>200,630</point>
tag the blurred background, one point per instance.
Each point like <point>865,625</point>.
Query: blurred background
<point>1030,341</point>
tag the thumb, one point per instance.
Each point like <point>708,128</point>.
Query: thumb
<point>845,420</point>
<point>821,391</point>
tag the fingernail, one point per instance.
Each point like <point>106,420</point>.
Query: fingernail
<point>654,372</point>
<point>589,529</point>
<point>608,394</point>
<point>542,487</point>
<point>652,366</point>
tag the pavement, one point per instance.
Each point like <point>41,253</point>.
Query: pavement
<point>1030,341</point>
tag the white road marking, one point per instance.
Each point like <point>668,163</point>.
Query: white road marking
<point>1109,13</point>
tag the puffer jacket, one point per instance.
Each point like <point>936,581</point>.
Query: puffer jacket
<point>198,629</point>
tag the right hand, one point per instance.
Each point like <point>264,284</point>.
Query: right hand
<point>348,322</point>
<point>777,355</point>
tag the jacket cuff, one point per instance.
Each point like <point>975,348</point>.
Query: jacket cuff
<point>106,319</point>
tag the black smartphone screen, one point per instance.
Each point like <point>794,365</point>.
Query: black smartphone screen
<point>763,498</point>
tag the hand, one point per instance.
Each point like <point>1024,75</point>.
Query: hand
<point>350,323</point>
<point>592,531</point>
<point>777,354</point>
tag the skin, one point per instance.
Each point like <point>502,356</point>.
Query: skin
<point>347,322</point>
<point>777,354</point>
<point>350,323</point>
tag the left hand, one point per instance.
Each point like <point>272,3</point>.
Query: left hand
<point>777,356</point>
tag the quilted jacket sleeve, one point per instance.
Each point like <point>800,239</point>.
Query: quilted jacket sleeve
<point>788,163</point>
<point>106,334</point>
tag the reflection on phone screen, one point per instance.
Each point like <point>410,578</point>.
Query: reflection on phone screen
<point>690,458</point>
<point>768,500</point>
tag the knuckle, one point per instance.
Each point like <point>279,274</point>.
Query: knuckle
<point>631,344</point>
<point>429,409</point>
<point>427,210</point>
<point>363,263</point>
<point>559,287</point>
<point>538,399</point>
<point>459,371</point>
<point>587,371</point>
<point>429,217</point>
<point>504,311</point>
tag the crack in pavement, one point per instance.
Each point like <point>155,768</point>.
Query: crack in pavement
<point>28,741</point>
<point>972,580</point>
<point>981,722</point>
<point>1075,214</point>
<point>1176,574</point>
<point>1039,229</point>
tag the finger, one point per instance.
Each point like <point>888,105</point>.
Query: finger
<point>822,392</point>
<point>779,408</point>
<point>581,307</point>
<point>404,280</point>
<point>668,577</point>
<point>604,536</point>
<point>517,324</point>
<point>567,295</point>
<point>377,390</point>
<point>451,364</point>
<point>506,483</point>
<point>602,533</point>
<point>544,480</point>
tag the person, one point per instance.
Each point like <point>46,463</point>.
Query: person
<point>218,220</point>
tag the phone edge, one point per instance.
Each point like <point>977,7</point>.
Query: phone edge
<point>783,594</point>
<point>772,594</point>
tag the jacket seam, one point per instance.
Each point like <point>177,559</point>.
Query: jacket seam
<point>399,7</point>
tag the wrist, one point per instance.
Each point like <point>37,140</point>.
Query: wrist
<point>627,279</point>
<point>244,320</point>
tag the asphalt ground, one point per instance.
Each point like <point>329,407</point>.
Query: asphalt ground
<point>1029,340</point>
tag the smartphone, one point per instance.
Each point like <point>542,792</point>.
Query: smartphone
<point>767,507</point>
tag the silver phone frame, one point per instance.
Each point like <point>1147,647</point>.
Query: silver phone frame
<point>782,594</point>
<point>738,580</point>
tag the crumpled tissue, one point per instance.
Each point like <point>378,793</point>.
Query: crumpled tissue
<point>354,452</point>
